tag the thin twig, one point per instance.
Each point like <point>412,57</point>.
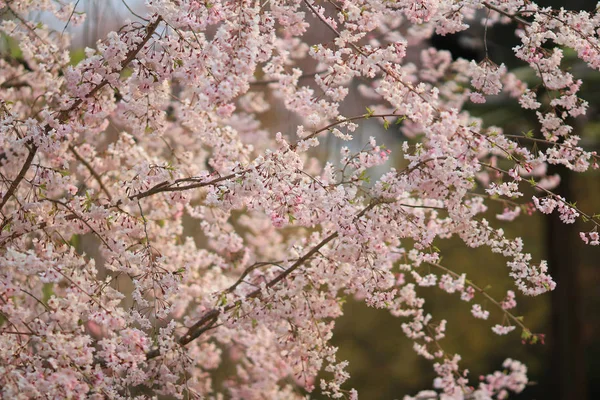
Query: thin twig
<point>91,170</point>
<point>506,14</point>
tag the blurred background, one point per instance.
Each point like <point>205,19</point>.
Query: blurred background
<point>382,362</point>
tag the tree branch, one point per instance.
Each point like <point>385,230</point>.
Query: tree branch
<point>511,16</point>
<point>92,171</point>
<point>209,319</point>
<point>64,114</point>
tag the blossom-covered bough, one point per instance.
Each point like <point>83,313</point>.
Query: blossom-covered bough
<point>159,124</point>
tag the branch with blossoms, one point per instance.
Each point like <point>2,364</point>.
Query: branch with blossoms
<point>210,318</point>
<point>107,162</point>
<point>64,115</point>
<point>504,306</point>
<point>568,211</point>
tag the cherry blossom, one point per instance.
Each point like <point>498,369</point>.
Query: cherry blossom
<point>161,126</point>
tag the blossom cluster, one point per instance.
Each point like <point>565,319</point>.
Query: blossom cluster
<point>106,163</point>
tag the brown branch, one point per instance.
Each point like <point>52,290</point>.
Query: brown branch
<point>247,272</point>
<point>269,81</point>
<point>358,117</point>
<point>209,319</point>
<point>506,14</point>
<point>168,187</point>
<point>15,183</point>
<point>91,170</point>
<point>16,85</point>
<point>171,187</point>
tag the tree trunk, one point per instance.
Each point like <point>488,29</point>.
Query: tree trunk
<point>567,369</point>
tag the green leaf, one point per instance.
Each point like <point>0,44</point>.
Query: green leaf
<point>87,204</point>
<point>534,339</point>
<point>364,177</point>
